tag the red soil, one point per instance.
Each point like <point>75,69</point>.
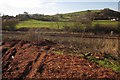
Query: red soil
<point>25,60</point>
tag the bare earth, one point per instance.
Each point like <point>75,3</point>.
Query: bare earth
<point>26,60</point>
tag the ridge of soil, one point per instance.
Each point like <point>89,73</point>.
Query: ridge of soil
<point>26,60</point>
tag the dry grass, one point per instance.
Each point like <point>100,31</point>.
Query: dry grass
<point>74,44</point>
<point>78,45</point>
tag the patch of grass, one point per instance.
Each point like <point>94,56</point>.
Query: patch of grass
<point>54,25</point>
<point>58,52</point>
<point>80,13</point>
<point>92,59</point>
<point>109,64</point>
<point>106,63</point>
<point>38,24</point>
<point>105,22</point>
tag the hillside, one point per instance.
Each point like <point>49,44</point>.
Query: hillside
<point>103,14</point>
<point>54,25</point>
<point>106,19</point>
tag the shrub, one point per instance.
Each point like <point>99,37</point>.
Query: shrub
<point>79,23</point>
<point>32,34</point>
<point>9,25</point>
<point>23,29</point>
<point>105,29</point>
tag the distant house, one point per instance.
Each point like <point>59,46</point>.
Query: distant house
<point>117,19</point>
<point>113,19</point>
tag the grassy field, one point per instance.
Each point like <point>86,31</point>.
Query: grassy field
<point>68,15</point>
<point>39,24</point>
<point>106,22</point>
<point>55,25</point>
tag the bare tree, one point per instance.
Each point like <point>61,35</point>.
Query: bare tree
<point>81,22</point>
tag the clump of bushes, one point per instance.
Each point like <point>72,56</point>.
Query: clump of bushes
<point>23,29</point>
<point>96,29</point>
<point>79,23</point>
<point>105,29</point>
<point>73,28</point>
<point>9,24</point>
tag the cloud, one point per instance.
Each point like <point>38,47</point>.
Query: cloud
<point>13,7</point>
<point>21,3</point>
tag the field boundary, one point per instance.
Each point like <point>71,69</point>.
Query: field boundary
<point>61,34</point>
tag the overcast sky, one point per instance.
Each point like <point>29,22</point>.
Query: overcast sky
<point>13,7</point>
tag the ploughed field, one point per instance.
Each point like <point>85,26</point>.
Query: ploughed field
<point>26,60</point>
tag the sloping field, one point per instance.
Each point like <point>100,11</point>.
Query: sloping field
<point>26,60</point>
<point>54,25</point>
<point>39,24</point>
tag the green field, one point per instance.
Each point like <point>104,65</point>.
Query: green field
<point>39,24</point>
<point>55,25</point>
<point>80,13</point>
<point>106,22</point>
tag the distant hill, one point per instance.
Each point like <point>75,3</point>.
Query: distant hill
<point>104,14</point>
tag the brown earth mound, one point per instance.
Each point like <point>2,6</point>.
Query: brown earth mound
<point>26,60</point>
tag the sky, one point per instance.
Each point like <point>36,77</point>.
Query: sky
<point>14,7</point>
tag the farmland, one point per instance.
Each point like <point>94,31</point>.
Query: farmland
<point>74,44</point>
<point>36,24</point>
<point>64,46</point>
<point>54,25</point>
<point>82,55</point>
<point>31,61</point>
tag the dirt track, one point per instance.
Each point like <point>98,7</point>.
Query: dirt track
<point>25,60</point>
